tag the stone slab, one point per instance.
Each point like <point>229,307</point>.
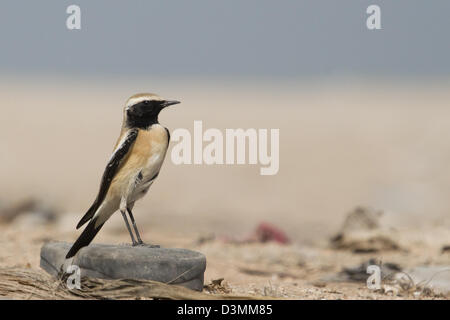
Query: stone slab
<point>174,266</point>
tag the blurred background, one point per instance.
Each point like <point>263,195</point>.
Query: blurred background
<point>363,114</point>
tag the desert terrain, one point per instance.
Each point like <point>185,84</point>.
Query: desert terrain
<point>377,144</point>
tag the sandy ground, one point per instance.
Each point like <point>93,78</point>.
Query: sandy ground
<point>341,145</point>
<point>294,271</point>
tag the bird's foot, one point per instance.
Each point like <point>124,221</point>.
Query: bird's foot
<point>142,244</point>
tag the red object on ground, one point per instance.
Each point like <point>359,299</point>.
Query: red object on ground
<point>266,232</point>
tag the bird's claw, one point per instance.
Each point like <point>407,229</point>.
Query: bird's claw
<point>142,244</point>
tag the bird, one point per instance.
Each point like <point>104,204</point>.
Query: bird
<point>134,165</point>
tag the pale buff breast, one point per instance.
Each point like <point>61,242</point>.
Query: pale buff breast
<point>145,157</point>
<point>157,141</point>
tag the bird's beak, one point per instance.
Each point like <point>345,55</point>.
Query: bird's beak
<point>170,102</point>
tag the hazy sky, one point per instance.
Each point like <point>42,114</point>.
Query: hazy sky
<point>229,37</point>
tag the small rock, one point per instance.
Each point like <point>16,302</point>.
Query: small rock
<point>361,233</point>
<point>172,266</point>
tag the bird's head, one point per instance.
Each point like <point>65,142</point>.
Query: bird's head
<point>142,109</point>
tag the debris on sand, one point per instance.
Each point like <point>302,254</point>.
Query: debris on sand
<point>29,210</point>
<point>19,283</point>
<point>362,233</point>
<point>445,249</point>
<point>426,281</point>
<point>362,218</point>
<point>359,273</point>
<point>432,278</point>
<point>218,286</point>
<point>365,242</point>
<point>392,278</point>
<point>265,232</point>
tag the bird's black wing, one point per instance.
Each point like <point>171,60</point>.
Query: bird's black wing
<point>110,171</point>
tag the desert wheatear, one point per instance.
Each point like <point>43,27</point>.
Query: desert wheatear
<point>134,165</point>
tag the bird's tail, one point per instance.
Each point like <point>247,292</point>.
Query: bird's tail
<point>85,238</point>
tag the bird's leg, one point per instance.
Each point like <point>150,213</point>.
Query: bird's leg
<point>140,242</point>
<point>128,227</point>
<point>123,208</point>
<point>138,236</point>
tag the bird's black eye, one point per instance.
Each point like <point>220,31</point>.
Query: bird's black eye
<point>146,102</point>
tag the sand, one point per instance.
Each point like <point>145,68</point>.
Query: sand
<point>342,144</point>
